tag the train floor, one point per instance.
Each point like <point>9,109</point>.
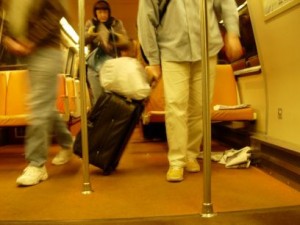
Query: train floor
<point>137,192</point>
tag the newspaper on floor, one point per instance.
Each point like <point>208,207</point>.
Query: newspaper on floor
<point>232,158</point>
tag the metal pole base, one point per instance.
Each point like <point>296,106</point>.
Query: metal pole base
<point>207,210</point>
<point>87,189</point>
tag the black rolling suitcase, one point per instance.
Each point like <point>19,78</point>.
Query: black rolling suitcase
<point>110,125</point>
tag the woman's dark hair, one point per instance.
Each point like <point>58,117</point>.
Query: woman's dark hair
<point>101,4</point>
<point>104,5</point>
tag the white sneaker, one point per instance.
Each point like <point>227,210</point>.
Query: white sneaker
<point>62,157</point>
<point>32,175</point>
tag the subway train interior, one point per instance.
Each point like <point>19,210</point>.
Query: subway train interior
<point>260,90</point>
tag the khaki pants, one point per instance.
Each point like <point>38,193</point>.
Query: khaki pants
<point>183,105</point>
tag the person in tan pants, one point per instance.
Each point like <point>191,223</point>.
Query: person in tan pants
<point>172,46</point>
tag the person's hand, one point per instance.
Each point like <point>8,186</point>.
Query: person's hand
<point>16,47</point>
<point>154,73</point>
<point>28,44</point>
<point>91,30</point>
<point>233,47</point>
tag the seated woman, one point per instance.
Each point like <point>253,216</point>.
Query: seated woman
<point>107,38</point>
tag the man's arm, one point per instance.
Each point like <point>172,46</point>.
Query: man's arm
<point>148,21</point>
<point>232,44</point>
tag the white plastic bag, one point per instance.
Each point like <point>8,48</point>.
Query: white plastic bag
<point>125,76</point>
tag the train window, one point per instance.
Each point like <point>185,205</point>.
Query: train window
<point>69,69</point>
<point>250,57</point>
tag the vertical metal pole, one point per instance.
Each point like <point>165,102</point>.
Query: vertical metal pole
<point>207,208</point>
<point>85,156</point>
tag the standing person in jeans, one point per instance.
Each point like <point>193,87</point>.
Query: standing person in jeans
<point>107,34</point>
<point>39,48</point>
<point>172,44</point>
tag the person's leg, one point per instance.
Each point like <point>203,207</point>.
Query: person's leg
<point>93,76</point>
<point>43,69</point>
<point>176,78</point>
<point>195,120</point>
<point>96,88</point>
<point>61,132</point>
<point>64,139</point>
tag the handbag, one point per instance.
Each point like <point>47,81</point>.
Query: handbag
<point>96,58</point>
<point>125,76</point>
<point>120,41</point>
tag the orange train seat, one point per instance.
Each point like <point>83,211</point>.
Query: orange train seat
<point>14,88</point>
<point>62,101</point>
<point>77,88</point>
<point>74,96</point>
<point>15,112</point>
<point>70,99</point>
<point>225,93</point>
<point>3,89</point>
<point>70,90</point>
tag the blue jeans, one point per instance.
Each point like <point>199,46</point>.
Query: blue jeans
<point>94,81</point>
<point>44,65</point>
